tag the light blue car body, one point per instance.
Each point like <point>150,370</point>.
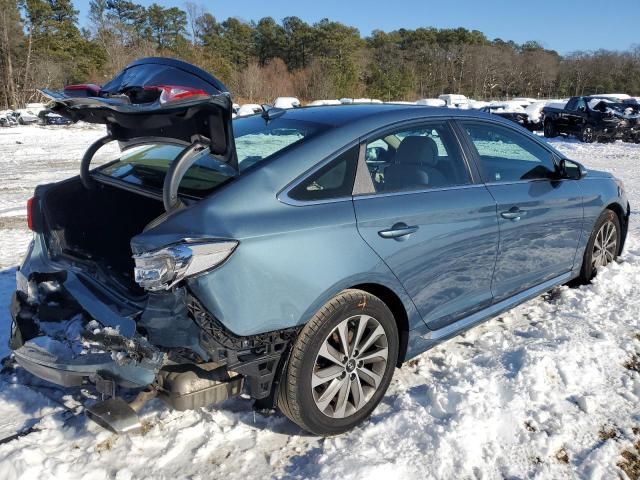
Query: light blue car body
<point>464,263</point>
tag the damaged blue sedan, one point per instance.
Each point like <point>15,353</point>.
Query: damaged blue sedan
<point>295,256</point>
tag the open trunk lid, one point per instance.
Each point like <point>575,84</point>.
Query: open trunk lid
<point>156,99</point>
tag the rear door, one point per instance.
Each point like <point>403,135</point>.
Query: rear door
<point>540,215</point>
<point>429,221</point>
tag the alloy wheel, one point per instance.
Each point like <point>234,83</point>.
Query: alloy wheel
<point>587,135</point>
<point>349,366</point>
<point>605,245</point>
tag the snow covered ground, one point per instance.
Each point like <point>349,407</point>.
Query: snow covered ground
<point>546,391</point>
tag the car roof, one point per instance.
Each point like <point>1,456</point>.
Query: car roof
<point>338,115</point>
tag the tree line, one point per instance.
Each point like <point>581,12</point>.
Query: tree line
<point>42,44</point>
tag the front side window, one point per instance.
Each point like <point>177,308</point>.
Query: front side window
<point>416,158</point>
<point>581,105</point>
<point>508,156</point>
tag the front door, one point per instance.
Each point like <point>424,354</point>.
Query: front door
<point>433,226</point>
<point>540,216</point>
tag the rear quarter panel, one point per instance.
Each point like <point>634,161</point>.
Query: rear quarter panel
<point>290,260</point>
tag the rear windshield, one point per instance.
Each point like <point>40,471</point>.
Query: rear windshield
<point>256,140</point>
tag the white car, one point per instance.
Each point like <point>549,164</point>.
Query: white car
<point>477,104</point>
<point>455,100</point>
<point>432,102</point>
<point>8,118</point>
<point>318,103</point>
<point>26,117</point>
<point>249,109</point>
<point>286,102</point>
<point>348,101</point>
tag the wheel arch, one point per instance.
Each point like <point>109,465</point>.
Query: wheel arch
<point>398,310</point>
<point>622,218</point>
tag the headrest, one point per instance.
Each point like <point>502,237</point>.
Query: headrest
<point>418,151</point>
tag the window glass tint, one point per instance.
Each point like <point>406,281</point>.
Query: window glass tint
<point>414,159</point>
<point>508,156</point>
<point>334,180</point>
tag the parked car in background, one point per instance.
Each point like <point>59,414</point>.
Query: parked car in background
<point>349,101</point>
<point>455,101</point>
<point>512,111</point>
<point>286,102</point>
<point>318,103</point>
<point>524,101</point>
<point>431,102</point>
<point>588,118</point>
<point>7,119</point>
<point>47,117</point>
<point>249,109</point>
<point>534,112</point>
<point>26,117</point>
<point>477,104</point>
<point>300,261</point>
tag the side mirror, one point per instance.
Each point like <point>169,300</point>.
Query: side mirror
<point>571,170</point>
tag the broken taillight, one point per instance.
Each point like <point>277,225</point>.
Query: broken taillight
<point>162,269</point>
<point>174,93</point>
<point>30,213</point>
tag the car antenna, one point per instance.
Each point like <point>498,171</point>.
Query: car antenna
<point>269,112</point>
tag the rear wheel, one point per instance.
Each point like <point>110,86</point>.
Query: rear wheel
<point>603,245</point>
<point>341,364</point>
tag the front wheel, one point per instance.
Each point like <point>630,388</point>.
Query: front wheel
<point>341,364</point>
<point>549,130</point>
<point>603,246</point>
<point>587,135</point>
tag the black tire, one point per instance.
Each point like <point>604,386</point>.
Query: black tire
<point>549,129</point>
<point>296,396</point>
<point>588,270</point>
<point>587,134</point>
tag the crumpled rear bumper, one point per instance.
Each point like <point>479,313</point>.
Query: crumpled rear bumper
<point>57,362</point>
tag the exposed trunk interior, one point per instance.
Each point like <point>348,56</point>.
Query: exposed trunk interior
<point>98,224</point>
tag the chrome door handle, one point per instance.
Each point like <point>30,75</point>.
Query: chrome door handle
<point>398,230</point>
<point>513,214</point>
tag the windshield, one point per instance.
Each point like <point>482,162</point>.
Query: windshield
<point>256,140</point>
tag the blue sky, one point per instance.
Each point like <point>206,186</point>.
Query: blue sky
<point>562,25</point>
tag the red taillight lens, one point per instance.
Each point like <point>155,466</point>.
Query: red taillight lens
<point>30,213</point>
<point>174,93</point>
<point>88,89</point>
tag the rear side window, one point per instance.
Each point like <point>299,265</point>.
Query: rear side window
<point>508,156</point>
<point>334,180</point>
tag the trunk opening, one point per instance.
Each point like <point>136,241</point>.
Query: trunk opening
<point>97,225</point>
